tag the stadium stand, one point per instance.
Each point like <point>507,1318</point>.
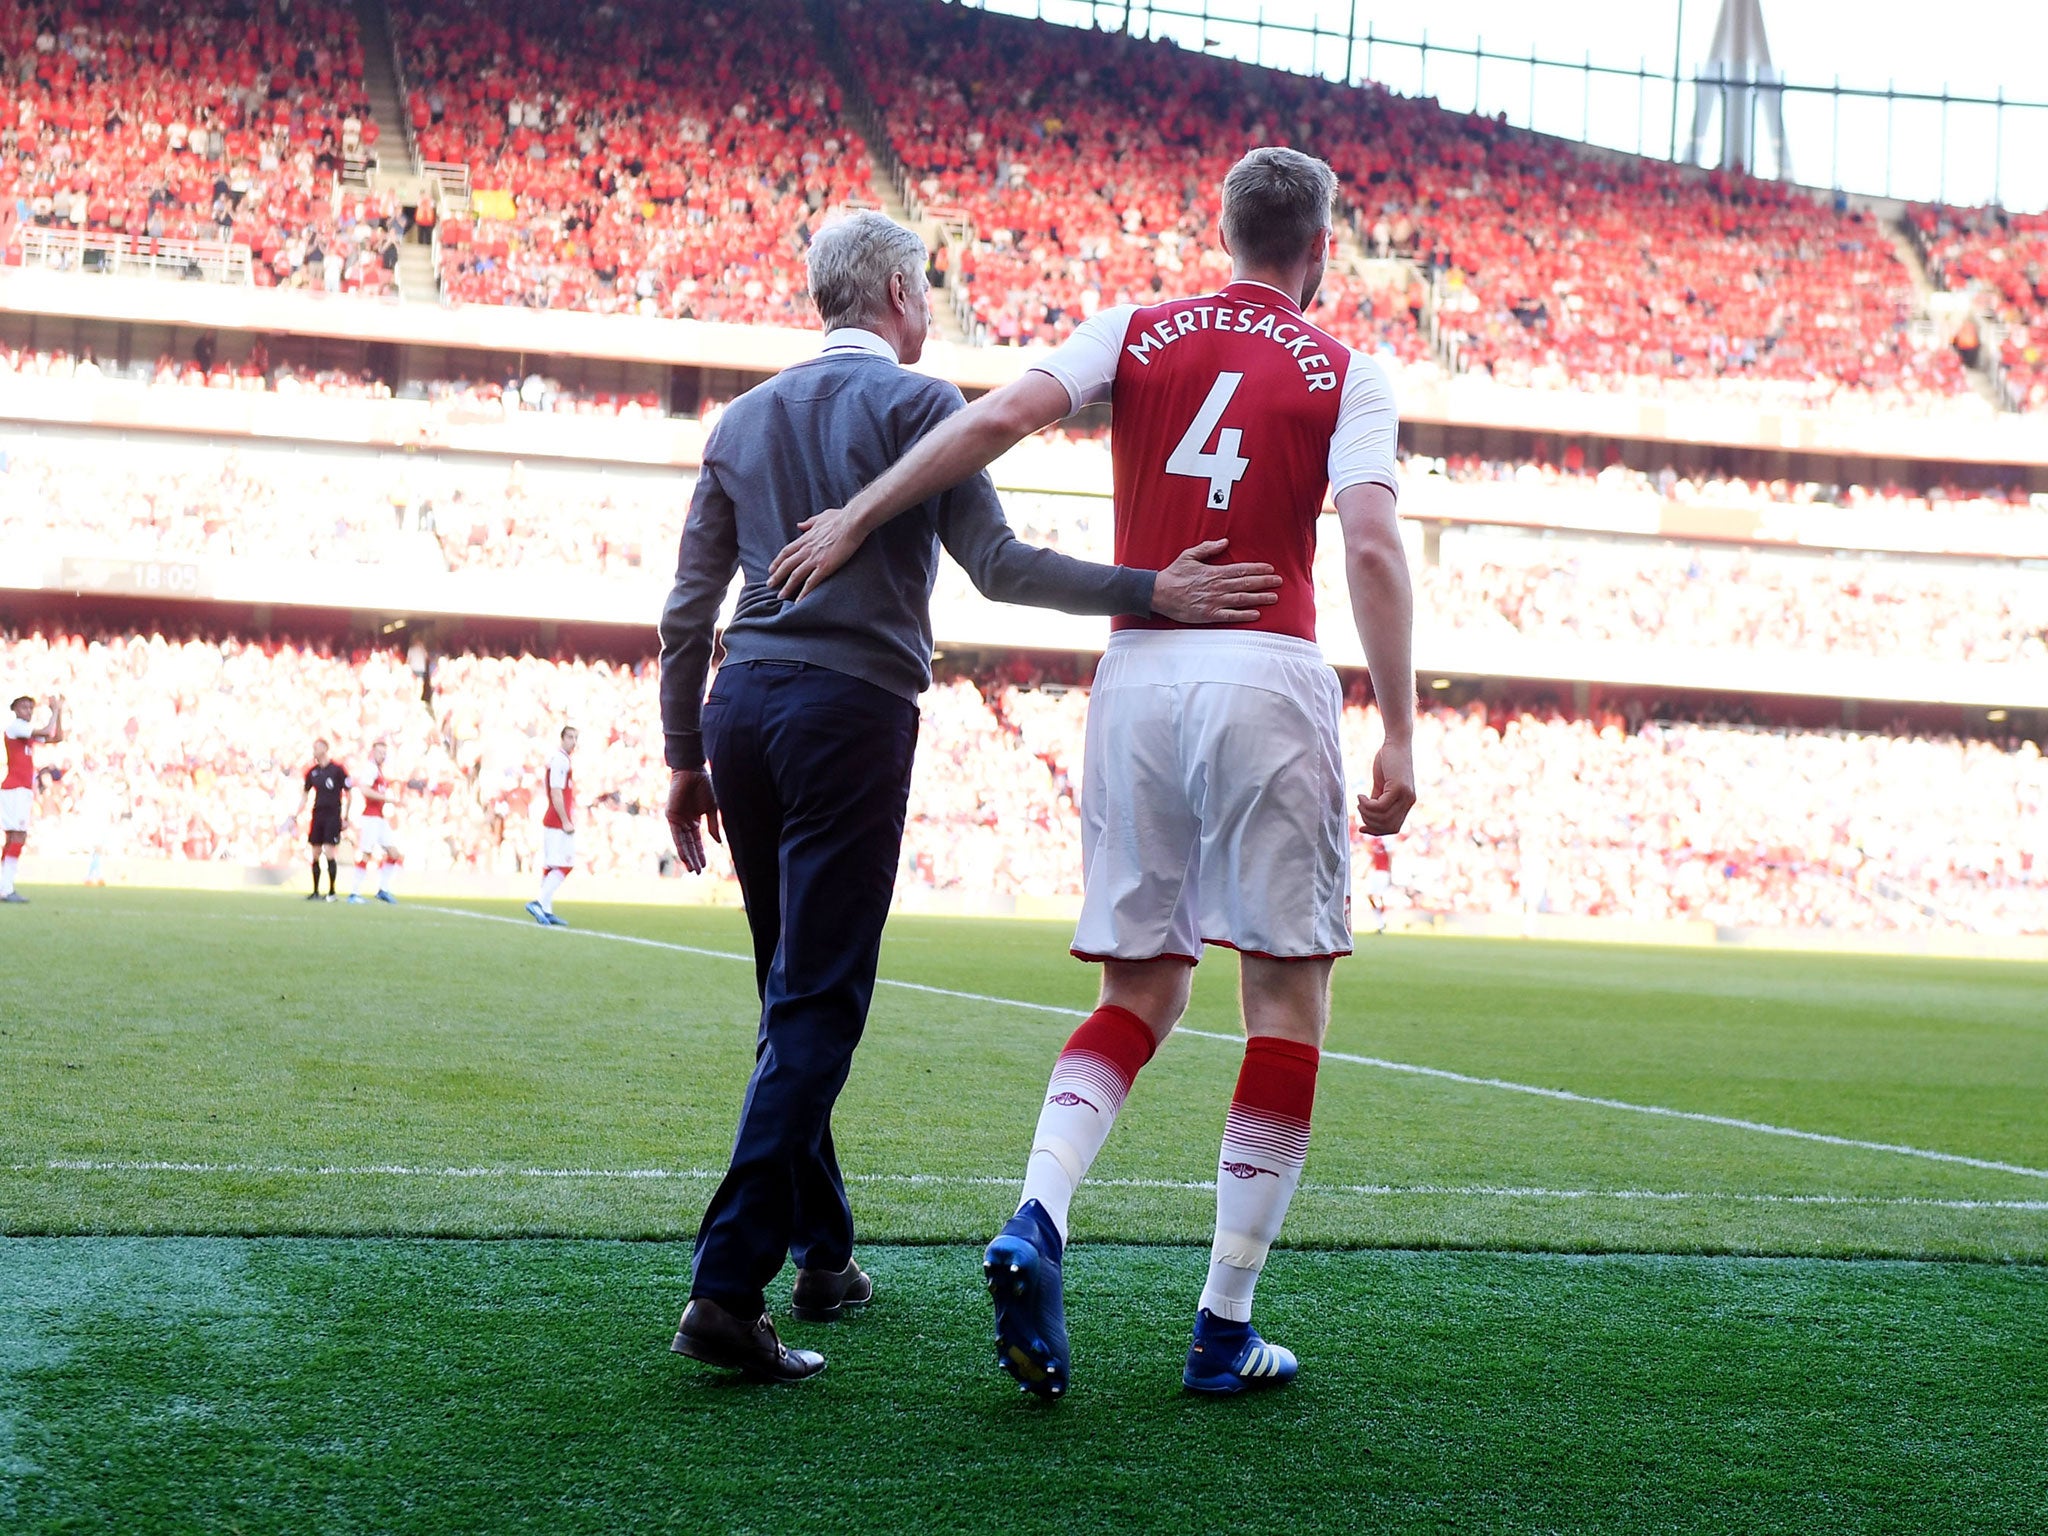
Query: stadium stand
<point>509,394</point>
<point>641,157</point>
<point>203,499</point>
<point>671,160</point>
<point>2001,260</point>
<point>193,750</point>
<point>211,121</point>
<point>1087,165</point>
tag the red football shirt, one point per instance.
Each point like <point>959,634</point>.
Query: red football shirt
<point>21,758</point>
<point>1234,419</point>
<point>562,777</point>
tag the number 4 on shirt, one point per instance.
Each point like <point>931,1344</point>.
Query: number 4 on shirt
<point>1223,468</point>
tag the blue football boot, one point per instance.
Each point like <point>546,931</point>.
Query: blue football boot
<point>534,911</point>
<point>556,920</point>
<point>387,898</point>
<point>1230,1357</point>
<point>1022,1268</point>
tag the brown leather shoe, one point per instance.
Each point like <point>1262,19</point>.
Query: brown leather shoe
<point>710,1333</point>
<point>821,1295</point>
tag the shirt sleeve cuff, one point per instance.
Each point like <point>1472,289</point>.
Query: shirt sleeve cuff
<point>1141,584</point>
<point>684,750</point>
<point>1368,477</point>
<point>1074,400</point>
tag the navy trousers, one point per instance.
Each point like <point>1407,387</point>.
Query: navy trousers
<point>812,772</point>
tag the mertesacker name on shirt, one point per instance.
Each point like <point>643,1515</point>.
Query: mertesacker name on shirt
<point>1242,322</point>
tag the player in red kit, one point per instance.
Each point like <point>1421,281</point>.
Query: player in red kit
<point>18,787</point>
<point>557,829</point>
<point>1379,880</point>
<point>376,841</point>
<point>1212,799</point>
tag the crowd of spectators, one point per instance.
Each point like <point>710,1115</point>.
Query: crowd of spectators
<point>194,500</point>
<point>194,749</point>
<point>212,120</point>
<point>673,159</point>
<point>637,157</point>
<point>1088,165</point>
<point>179,500</point>
<point>1729,598</point>
<point>2001,260</point>
<point>487,397</point>
<point>1572,471</point>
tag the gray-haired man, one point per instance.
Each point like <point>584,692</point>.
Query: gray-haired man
<point>809,733</point>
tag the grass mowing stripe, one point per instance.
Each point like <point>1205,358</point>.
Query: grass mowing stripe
<point>984,1181</point>
<point>1414,1069</point>
<point>430,1388</point>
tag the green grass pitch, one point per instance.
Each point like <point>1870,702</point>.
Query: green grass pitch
<point>328,1218</point>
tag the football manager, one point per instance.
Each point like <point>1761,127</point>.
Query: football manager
<point>803,748</point>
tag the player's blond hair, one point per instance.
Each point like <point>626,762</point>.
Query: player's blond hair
<point>1276,204</point>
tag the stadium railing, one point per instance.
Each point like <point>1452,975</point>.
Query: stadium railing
<point>452,182</point>
<point>96,251</point>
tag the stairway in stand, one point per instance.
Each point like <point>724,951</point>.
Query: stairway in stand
<point>397,168</point>
<point>861,113</point>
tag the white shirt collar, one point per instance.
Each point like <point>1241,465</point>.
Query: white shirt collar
<point>851,338</point>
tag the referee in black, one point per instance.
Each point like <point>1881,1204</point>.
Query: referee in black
<point>327,786</point>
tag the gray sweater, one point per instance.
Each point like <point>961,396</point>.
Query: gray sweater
<point>809,439</point>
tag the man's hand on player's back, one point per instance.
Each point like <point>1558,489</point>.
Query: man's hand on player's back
<point>1192,590</point>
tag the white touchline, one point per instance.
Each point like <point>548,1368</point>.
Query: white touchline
<point>1004,1181</point>
<point>1564,1095</point>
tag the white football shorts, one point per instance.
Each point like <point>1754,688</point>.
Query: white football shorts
<point>1212,800</point>
<point>557,848</point>
<point>16,805</point>
<point>1378,882</point>
<point>373,836</point>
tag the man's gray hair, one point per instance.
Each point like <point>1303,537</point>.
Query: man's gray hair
<point>1276,203</point>
<point>851,261</point>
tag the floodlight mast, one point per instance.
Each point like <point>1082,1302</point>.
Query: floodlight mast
<point>1739,77</point>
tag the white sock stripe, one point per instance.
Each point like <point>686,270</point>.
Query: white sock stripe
<point>1243,1133</point>
<point>1252,1115</point>
<point>1092,1077</point>
<point>1287,1148</point>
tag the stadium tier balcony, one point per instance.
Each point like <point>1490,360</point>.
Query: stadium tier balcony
<point>204,138</point>
<point>191,749</point>
<point>644,157</point>
<point>1619,599</point>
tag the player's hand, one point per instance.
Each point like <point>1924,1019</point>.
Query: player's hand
<point>691,802</point>
<point>1193,591</point>
<point>1393,791</point>
<point>823,544</point>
